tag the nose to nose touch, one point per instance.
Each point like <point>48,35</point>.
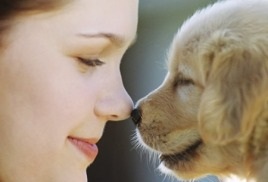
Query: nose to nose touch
<point>136,116</point>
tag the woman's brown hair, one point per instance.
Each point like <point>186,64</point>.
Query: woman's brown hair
<point>9,9</point>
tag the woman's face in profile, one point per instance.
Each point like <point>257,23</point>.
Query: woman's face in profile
<point>59,84</point>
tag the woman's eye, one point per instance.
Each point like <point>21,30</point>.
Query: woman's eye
<point>90,62</point>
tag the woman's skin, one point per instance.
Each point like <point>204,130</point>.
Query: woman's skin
<point>60,83</point>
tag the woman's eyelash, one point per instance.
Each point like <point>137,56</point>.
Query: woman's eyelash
<point>90,62</point>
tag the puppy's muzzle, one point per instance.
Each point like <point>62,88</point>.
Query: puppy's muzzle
<point>136,116</point>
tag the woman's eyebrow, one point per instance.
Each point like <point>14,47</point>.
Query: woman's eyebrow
<point>118,40</point>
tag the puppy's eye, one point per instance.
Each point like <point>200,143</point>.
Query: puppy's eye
<point>183,82</point>
<point>90,62</point>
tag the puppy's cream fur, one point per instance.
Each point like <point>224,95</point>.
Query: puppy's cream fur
<point>212,108</point>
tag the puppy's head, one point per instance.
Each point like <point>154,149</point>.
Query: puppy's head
<point>198,119</point>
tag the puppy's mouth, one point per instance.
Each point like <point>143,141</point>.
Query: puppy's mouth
<point>183,156</point>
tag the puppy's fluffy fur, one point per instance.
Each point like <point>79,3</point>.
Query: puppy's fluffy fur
<point>210,115</point>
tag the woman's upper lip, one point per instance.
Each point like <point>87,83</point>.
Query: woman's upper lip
<point>85,139</point>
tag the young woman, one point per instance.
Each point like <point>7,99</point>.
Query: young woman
<point>60,83</point>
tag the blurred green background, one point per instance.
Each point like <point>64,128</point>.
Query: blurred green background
<point>143,69</point>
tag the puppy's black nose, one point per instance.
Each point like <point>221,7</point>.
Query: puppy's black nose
<point>136,116</point>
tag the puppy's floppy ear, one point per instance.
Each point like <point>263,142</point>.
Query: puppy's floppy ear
<point>235,79</point>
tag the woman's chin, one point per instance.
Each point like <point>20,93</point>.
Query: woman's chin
<point>75,176</point>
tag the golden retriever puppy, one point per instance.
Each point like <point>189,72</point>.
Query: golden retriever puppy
<point>210,115</point>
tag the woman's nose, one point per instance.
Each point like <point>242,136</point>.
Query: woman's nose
<point>114,105</point>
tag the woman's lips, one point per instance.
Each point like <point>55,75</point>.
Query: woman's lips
<point>86,146</point>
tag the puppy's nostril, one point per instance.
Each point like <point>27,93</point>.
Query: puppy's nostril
<point>136,116</point>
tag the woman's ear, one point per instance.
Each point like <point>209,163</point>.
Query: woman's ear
<point>235,88</point>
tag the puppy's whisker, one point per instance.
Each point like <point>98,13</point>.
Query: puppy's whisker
<point>168,177</point>
<point>151,156</point>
